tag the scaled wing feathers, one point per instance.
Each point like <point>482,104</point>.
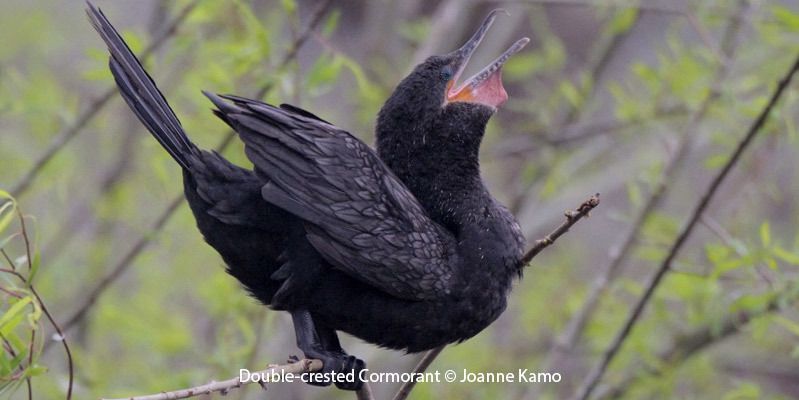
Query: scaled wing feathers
<point>359,216</point>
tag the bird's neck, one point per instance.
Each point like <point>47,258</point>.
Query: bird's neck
<point>438,159</point>
<point>449,187</point>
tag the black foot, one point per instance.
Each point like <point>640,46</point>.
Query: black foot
<point>320,342</point>
<point>335,363</point>
<point>355,366</point>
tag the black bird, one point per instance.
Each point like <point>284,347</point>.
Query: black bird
<point>404,247</point>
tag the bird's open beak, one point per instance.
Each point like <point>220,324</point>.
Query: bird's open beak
<point>484,87</point>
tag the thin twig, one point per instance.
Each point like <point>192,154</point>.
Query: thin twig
<point>10,292</point>
<point>13,272</point>
<point>572,216</point>
<point>29,255</point>
<point>10,263</point>
<point>425,362</point>
<point>223,387</point>
<point>31,346</point>
<point>25,240</point>
<point>64,137</point>
<point>595,375</point>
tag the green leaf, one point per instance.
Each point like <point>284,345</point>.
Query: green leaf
<point>259,34</point>
<point>716,161</point>
<point>331,23</point>
<point>787,17</point>
<point>35,370</point>
<point>765,234</point>
<point>623,21</point>
<point>7,211</point>
<point>745,391</point>
<point>134,41</point>
<point>785,255</point>
<point>570,92</point>
<point>11,318</point>
<point>751,302</point>
<point>521,65</point>
<point>324,72</point>
<point>290,6</point>
<point>786,323</point>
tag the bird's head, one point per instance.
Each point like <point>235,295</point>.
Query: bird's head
<point>432,109</point>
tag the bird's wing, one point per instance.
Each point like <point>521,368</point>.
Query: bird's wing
<point>358,215</point>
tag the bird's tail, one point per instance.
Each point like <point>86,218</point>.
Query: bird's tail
<point>141,94</point>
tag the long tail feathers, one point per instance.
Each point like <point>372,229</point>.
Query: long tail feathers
<point>141,93</point>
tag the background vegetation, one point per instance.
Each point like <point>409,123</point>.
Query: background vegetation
<point>641,101</point>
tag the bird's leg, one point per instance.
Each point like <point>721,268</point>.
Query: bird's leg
<point>334,361</point>
<point>329,341</point>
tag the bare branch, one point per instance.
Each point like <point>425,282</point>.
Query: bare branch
<point>572,216</point>
<point>66,135</point>
<point>593,378</point>
<point>223,387</point>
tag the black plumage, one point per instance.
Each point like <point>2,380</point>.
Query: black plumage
<point>403,247</point>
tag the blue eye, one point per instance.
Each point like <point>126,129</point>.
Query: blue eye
<point>446,73</point>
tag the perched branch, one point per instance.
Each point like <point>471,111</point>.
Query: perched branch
<point>224,387</point>
<point>594,376</point>
<point>60,140</point>
<point>572,216</point>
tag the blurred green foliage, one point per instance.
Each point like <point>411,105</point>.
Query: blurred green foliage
<point>605,118</point>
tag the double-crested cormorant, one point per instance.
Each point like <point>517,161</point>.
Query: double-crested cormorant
<point>404,247</point>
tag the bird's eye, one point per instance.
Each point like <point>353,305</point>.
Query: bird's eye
<point>446,74</point>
